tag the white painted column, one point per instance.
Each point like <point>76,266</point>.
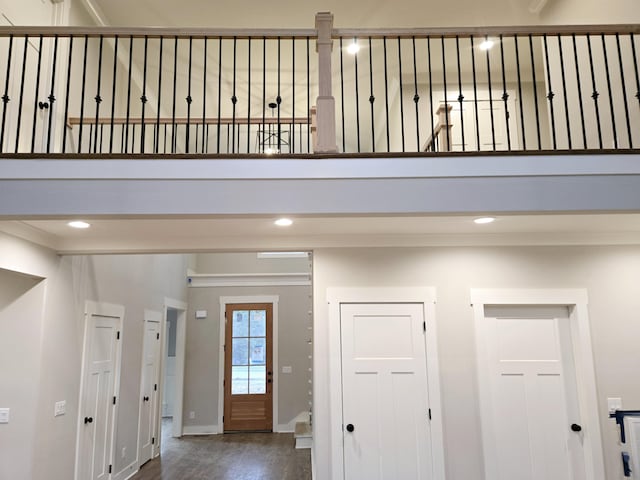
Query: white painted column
<point>326,108</point>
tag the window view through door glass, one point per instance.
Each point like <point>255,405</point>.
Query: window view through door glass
<point>249,352</point>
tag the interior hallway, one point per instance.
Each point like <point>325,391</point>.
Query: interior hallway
<point>235,456</point>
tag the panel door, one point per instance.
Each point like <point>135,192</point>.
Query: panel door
<point>149,391</point>
<point>385,398</point>
<point>533,395</point>
<point>97,408</point>
<point>248,385</point>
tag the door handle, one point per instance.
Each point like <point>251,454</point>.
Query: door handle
<point>350,428</point>
<point>88,420</point>
<point>145,399</point>
<point>575,427</point>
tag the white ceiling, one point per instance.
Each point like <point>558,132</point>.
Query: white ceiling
<point>259,233</point>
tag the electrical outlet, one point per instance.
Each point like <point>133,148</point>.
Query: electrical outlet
<point>60,408</point>
<point>192,415</point>
<point>614,404</point>
<point>287,369</point>
<point>4,415</point>
<point>124,452</point>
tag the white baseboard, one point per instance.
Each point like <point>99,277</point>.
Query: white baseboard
<point>200,430</point>
<point>127,472</point>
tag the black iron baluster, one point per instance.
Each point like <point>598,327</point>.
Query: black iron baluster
<point>493,130</point>
<point>51,96</point>
<point>37,94</point>
<point>205,138</point>
<point>416,97</point>
<point>355,63</point>
<point>249,95</point>
<point>98,98</point>
<point>342,95</point>
<point>613,113</point>
<point>522,128</point>
<point>579,84</point>
<point>308,102</point>
<point>535,90</point>
<point>91,135</point>
<point>164,139</point>
<point>595,94</point>
<point>386,93</point>
<point>475,92</point>
<point>234,100</point>
<point>505,94</point>
<point>292,140</point>
<point>460,95</point>
<point>444,83</point>
<point>156,140</point>
<point>133,136</point>
<point>113,91</point>
<point>21,96</point>
<point>372,98</point>
<point>433,128</point>
<point>101,135</point>
<point>279,99</point>
<point>624,91</point>
<point>401,94</point>
<point>219,90</point>
<point>564,91</point>
<point>66,100</point>
<point>5,96</point>
<point>174,127</point>
<point>144,99</point>
<point>196,142</point>
<point>635,66</point>
<point>128,113</point>
<point>263,138</point>
<point>84,81</point>
<point>550,95</point>
<point>189,99</point>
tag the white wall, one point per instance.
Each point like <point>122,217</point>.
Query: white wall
<point>609,274</point>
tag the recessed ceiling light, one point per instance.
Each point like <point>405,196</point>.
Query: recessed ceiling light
<point>79,224</point>
<point>353,48</point>
<point>283,222</point>
<point>486,45</point>
<point>484,220</point>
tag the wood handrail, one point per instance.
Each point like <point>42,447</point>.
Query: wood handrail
<point>183,121</point>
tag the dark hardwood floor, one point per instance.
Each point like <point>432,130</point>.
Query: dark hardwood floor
<point>233,456</point>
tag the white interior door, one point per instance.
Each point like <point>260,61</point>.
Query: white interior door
<point>100,377</point>
<point>149,388</point>
<point>169,387</point>
<point>530,378</point>
<point>386,429</point>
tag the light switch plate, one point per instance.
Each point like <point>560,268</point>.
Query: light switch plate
<point>4,415</point>
<point>60,408</point>
<point>614,404</point>
<point>287,369</point>
<point>201,314</point>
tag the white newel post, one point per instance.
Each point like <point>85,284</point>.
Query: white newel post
<point>326,108</point>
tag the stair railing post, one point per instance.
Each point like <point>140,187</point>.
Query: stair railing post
<point>325,106</point>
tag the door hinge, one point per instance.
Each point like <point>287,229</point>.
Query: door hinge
<point>155,387</point>
<point>429,414</point>
<point>110,467</point>
<point>222,418</point>
<point>157,336</point>
<point>114,400</point>
<point>118,336</point>
<point>424,326</point>
<point>153,441</point>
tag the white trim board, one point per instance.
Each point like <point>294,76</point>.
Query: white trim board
<point>249,279</point>
<point>422,295</point>
<point>201,430</point>
<point>127,472</point>
<point>576,300</point>
<point>273,299</point>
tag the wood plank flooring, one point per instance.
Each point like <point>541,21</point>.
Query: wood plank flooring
<point>232,456</point>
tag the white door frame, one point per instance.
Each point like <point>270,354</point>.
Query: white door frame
<point>181,342</point>
<point>423,295</point>
<point>107,310</point>
<point>576,301</point>
<point>157,317</point>
<point>272,299</point>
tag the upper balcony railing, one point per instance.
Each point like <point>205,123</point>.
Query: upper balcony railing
<point>324,90</point>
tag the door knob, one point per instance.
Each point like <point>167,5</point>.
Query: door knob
<point>146,399</point>
<point>88,420</point>
<point>575,427</point>
<point>350,428</point>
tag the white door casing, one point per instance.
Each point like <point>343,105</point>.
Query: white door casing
<point>149,391</point>
<point>385,395</point>
<point>425,298</point>
<point>536,378</point>
<point>99,387</point>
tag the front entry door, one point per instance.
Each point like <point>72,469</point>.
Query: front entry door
<point>248,385</point>
<point>386,430</point>
<point>533,400</point>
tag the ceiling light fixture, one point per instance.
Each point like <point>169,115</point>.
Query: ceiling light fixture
<point>79,224</point>
<point>353,48</point>
<point>486,45</point>
<point>484,220</point>
<point>283,222</point>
